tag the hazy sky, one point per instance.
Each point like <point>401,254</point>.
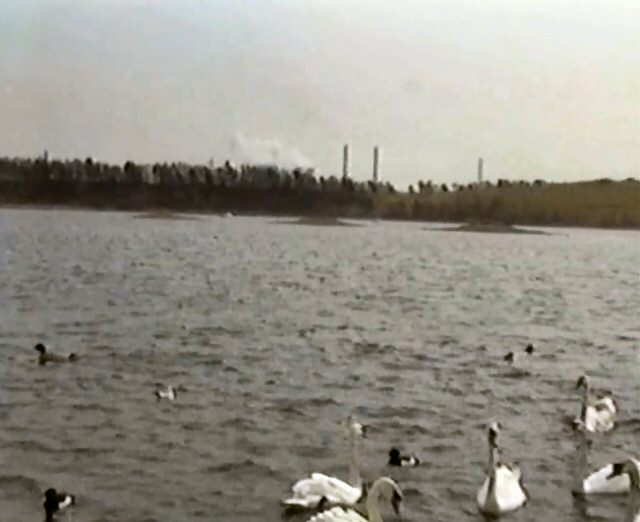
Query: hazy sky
<point>540,88</point>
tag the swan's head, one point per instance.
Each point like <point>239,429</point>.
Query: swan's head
<point>629,467</point>
<point>583,383</point>
<point>40,348</point>
<point>492,433</point>
<point>388,488</point>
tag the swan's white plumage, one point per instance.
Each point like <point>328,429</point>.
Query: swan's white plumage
<point>597,483</point>
<point>502,489</point>
<point>308,492</point>
<point>384,487</point>
<point>600,416</point>
<point>631,468</point>
<point>507,495</point>
<point>338,514</point>
<point>597,416</point>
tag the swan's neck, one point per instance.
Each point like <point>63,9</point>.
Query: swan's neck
<point>581,463</point>
<point>373,504</point>
<point>354,463</point>
<point>633,509</point>
<point>491,468</point>
<point>585,403</point>
<point>493,458</point>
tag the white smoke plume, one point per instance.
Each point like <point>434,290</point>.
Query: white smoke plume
<point>258,151</point>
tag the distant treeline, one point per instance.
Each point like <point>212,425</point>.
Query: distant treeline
<point>272,190</point>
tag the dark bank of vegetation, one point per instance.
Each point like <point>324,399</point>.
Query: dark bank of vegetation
<point>275,191</point>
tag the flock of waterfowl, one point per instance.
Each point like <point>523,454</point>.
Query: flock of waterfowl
<point>502,491</point>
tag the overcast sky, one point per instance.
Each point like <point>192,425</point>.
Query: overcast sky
<point>540,88</point>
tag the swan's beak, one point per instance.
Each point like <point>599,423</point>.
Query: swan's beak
<point>618,469</point>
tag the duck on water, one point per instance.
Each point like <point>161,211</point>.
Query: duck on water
<point>511,356</point>
<point>168,391</point>
<point>48,357</point>
<point>54,502</point>
<point>396,459</point>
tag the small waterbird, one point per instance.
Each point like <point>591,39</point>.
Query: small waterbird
<point>395,459</point>
<point>54,502</point>
<point>46,356</point>
<point>511,356</point>
<point>168,392</point>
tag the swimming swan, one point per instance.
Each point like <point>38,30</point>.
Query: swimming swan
<point>309,492</point>
<point>502,490</point>
<point>54,502</point>
<point>598,482</point>
<point>383,488</point>
<point>602,482</point>
<point>595,416</point>
<point>630,468</point>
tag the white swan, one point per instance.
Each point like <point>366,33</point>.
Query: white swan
<point>384,487</point>
<point>602,482</point>
<point>598,482</point>
<point>596,416</point>
<point>630,468</point>
<point>502,490</point>
<point>309,492</point>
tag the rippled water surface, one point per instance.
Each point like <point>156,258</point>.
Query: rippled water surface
<point>278,332</point>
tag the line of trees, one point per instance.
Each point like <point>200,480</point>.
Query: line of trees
<point>248,188</point>
<point>273,190</point>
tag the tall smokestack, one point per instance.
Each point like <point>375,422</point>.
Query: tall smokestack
<point>480,169</point>
<point>376,164</point>
<point>345,161</point>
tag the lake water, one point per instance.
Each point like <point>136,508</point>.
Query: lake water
<point>278,332</point>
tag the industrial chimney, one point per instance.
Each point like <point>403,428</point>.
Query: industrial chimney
<point>376,164</point>
<point>345,161</point>
<point>480,169</point>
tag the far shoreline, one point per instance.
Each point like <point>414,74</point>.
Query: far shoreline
<point>284,217</point>
<point>489,228</point>
<point>316,222</point>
